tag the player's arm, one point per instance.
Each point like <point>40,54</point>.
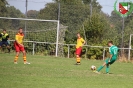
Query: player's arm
<point>111,54</point>
<point>7,37</point>
<point>16,39</point>
<point>83,41</point>
<point>0,35</point>
<point>19,43</point>
<point>110,57</point>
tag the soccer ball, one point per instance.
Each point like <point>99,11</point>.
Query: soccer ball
<point>93,67</point>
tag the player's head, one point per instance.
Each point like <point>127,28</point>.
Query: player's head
<point>4,31</point>
<point>78,35</point>
<point>110,43</point>
<point>20,30</point>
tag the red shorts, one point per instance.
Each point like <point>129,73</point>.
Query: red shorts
<point>18,47</point>
<point>78,51</point>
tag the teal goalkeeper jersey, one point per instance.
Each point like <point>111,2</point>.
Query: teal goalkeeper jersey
<point>113,51</point>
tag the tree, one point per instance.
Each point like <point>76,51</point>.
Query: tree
<point>94,3</point>
<point>3,12</point>
<point>9,11</point>
<point>32,14</point>
<point>15,13</point>
<point>3,9</point>
<point>72,14</point>
<point>128,31</point>
<point>94,28</point>
<point>116,20</point>
<point>68,2</point>
<point>98,31</point>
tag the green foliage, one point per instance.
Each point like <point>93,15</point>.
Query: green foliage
<point>98,31</point>
<point>98,28</point>
<point>32,14</point>
<point>94,28</point>
<point>3,9</point>
<point>69,1</point>
<point>116,21</point>
<point>94,53</point>
<point>128,30</point>
<point>73,14</point>
<point>12,24</point>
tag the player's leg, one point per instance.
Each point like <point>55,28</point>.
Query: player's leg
<point>17,53</point>
<point>16,58</point>
<point>107,68</point>
<point>101,67</point>
<point>24,55</point>
<point>78,52</point>
<point>0,44</point>
<point>110,63</point>
<point>8,46</point>
<point>78,59</point>
<point>104,64</point>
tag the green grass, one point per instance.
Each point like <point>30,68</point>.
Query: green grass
<point>52,72</point>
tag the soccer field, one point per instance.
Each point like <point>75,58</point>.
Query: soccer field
<point>52,72</point>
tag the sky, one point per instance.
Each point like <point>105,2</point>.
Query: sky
<point>108,5</point>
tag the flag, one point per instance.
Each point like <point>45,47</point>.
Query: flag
<point>123,7</point>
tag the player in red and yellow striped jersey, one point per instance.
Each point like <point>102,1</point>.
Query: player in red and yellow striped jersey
<point>80,43</point>
<point>18,44</point>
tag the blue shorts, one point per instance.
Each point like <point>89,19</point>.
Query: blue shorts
<point>4,43</point>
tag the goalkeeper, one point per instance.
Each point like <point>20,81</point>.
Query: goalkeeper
<point>4,40</point>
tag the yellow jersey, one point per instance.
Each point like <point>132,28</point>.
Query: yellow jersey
<point>80,42</point>
<point>19,38</point>
<point>4,37</point>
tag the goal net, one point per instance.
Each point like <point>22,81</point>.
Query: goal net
<point>35,30</point>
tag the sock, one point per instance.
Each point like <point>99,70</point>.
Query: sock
<point>78,59</point>
<point>8,50</point>
<point>107,69</point>
<point>16,58</point>
<point>24,58</point>
<point>100,68</point>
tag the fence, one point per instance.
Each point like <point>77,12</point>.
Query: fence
<point>68,18</point>
<point>46,48</point>
<point>37,24</point>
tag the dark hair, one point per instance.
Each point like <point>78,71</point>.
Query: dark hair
<point>4,29</point>
<point>78,33</point>
<point>20,28</point>
<point>110,42</point>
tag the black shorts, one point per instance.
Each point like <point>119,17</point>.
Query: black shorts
<point>4,43</point>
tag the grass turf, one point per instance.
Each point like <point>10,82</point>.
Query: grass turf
<point>52,72</point>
